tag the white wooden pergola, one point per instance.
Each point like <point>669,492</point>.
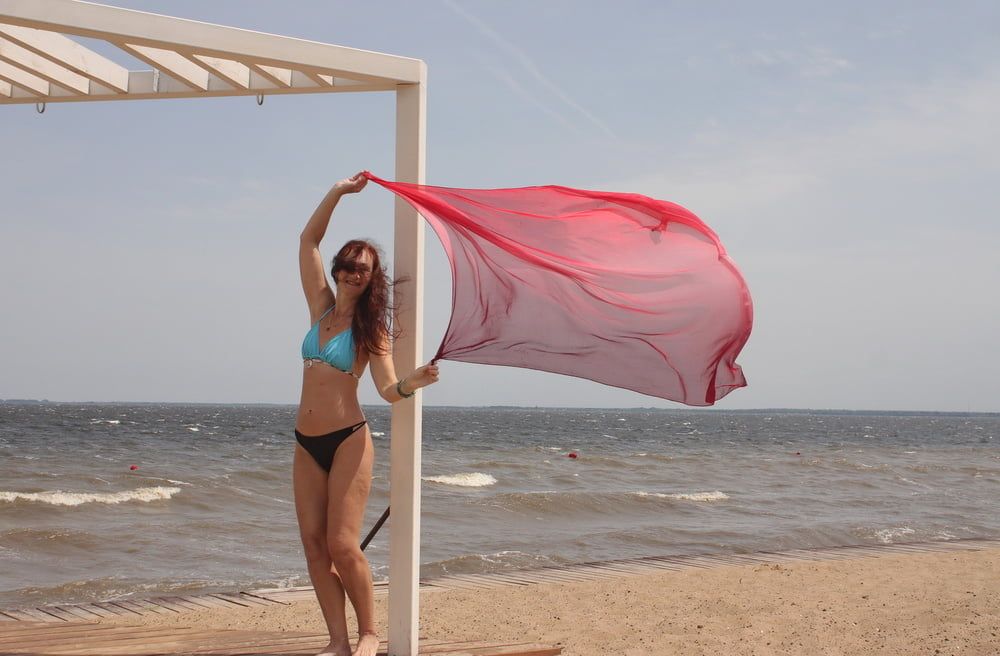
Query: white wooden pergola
<point>40,64</point>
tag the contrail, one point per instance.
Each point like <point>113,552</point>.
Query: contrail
<point>528,64</point>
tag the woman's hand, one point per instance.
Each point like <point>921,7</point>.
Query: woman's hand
<point>352,185</point>
<point>421,377</point>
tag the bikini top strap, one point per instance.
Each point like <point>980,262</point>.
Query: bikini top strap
<point>323,316</point>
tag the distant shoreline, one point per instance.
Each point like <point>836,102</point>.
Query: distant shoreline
<point>733,411</point>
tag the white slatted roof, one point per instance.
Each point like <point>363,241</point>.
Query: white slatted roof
<point>41,63</point>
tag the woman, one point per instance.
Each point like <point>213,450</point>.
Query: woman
<point>332,467</point>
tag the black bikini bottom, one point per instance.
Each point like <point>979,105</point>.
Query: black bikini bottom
<point>323,447</point>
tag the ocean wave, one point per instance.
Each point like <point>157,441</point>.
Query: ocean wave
<point>487,563</point>
<point>60,498</point>
<point>891,535</point>
<point>563,503</point>
<point>474,479</point>
<point>686,496</point>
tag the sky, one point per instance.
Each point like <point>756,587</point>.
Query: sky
<point>847,154</point>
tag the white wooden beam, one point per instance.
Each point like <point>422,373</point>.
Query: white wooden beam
<point>20,77</point>
<point>27,60</point>
<point>170,62</point>
<point>5,89</point>
<point>281,77</point>
<point>146,85</point>
<point>167,33</point>
<point>70,54</point>
<point>318,78</point>
<point>235,73</point>
<point>405,445</point>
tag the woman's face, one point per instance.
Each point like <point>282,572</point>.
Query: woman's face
<point>355,274</point>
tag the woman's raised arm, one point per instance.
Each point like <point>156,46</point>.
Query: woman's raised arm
<point>315,285</point>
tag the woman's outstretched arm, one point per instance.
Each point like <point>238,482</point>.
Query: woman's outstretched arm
<point>393,389</point>
<point>316,287</point>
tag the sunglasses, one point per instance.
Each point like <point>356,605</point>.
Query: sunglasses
<point>354,267</point>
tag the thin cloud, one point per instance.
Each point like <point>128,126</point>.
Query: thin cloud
<point>530,66</point>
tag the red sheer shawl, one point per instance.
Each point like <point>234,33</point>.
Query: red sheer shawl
<point>621,289</point>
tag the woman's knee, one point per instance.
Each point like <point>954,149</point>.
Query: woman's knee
<point>344,552</point>
<point>315,548</point>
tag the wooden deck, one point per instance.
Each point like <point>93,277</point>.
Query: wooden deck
<point>74,628</point>
<point>560,574</point>
<point>92,639</point>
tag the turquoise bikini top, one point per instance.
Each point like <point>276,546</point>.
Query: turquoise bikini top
<point>338,352</point>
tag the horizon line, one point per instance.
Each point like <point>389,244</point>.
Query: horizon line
<point>532,407</point>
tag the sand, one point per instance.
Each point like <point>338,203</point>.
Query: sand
<point>936,603</point>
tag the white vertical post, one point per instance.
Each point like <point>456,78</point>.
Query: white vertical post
<point>404,459</point>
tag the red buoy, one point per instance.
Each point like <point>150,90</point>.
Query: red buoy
<point>571,454</point>
<point>134,467</point>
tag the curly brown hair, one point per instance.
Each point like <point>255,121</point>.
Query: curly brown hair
<point>372,322</point>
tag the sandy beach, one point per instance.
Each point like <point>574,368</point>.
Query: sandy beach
<point>935,603</point>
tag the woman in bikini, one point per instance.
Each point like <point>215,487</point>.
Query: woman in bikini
<point>332,467</point>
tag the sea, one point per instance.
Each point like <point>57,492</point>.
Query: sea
<point>117,501</point>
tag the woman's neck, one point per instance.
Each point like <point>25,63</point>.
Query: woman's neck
<point>344,310</point>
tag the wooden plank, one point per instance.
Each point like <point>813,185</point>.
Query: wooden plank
<point>91,641</point>
<point>267,591</point>
<point>88,639</point>
<point>451,582</point>
<point>70,54</point>
<point>26,617</point>
<point>152,607</point>
<point>477,580</point>
<point>79,611</point>
<point>503,580</point>
<point>559,575</point>
<point>204,601</point>
<point>55,613</point>
<point>184,603</point>
<point>112,611</point>
<point>73,631</point>
<point>264,644</point>
<point>24,79</point>
<point>131,607</point>
<point>170,62</point>
<point>233,599</point>
<point>270,601</point>
<point>161,641</point>
<point>595,572</point>
<point>42,67</point>
<point>524,649</point>
<point>170,605</point>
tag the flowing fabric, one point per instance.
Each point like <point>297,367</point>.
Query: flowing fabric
<point>621,289</point>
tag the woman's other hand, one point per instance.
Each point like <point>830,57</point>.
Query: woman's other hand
<point>422,377</point>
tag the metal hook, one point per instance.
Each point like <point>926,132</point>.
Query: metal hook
<point>40,107</point>
<point>260,99</point>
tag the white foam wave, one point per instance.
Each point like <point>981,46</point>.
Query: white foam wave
<point>474,479</point>
<point>889,535</point>
<point>687,496</point>
<point>105,421</point>
<point>60,498</point>
<point>378,433</point>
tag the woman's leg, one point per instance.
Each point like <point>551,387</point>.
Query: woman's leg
<point>349,483</point>
<point>310,485</point>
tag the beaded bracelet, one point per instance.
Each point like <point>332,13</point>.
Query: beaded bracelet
<point>399,390</point>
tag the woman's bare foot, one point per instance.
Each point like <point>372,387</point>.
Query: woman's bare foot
<point>367,645</point>
<point>336,648</point>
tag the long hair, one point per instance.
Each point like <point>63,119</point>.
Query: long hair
<point>372,322</point>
